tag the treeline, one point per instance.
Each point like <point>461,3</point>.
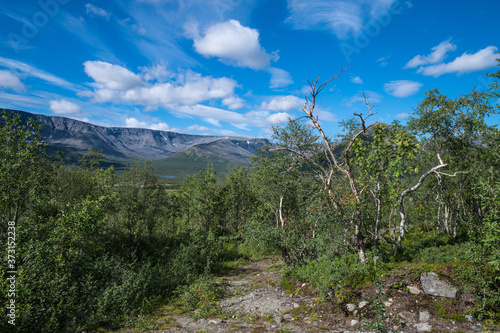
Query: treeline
<point>92,248</point>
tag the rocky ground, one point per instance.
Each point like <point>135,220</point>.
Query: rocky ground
<point>255,301</point>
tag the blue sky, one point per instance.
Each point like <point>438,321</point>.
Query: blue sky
<point>234,67</point>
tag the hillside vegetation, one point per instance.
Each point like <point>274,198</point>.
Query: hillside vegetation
<point>94,250</point>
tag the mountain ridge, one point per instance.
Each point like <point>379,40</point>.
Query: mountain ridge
<point>123,144</point>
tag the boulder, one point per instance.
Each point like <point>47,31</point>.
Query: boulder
<point>435,287</point>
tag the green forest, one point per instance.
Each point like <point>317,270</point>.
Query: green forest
<point>92,249</point>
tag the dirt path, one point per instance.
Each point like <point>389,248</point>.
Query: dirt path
<point>255,301</point>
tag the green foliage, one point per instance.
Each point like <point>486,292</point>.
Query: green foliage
<point>380,309</point>
<point>335,276</point>
<point>200,298</point>
<point>22,166</point>
<point>483,276</point>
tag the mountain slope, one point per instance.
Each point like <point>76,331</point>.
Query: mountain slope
<point>122,145</point>
<point>224,155</point>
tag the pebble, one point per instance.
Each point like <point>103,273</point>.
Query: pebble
<point>362,304</point>
<point>351,307</point>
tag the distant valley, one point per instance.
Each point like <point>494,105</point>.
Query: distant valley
<point>173,154</point>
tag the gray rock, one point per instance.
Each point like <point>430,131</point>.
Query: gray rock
<point>351,307</point>
<point>407,316</point>
<point>354,322</point>
<point>424,316</point>
<point>215,321</point>
<point>435,287</point>
<point>424,327</point>
<point>470,318</point>
<point>362,304</point>
<point>279,319</point>
<point>414,290</point>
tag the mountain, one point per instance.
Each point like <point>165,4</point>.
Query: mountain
<point>122,145</point>
<point>224,154</point>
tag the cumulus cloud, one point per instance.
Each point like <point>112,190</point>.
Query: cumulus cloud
<point>437,55</point>
<point>233,44</point>
<point>132,122</point>
<point>279,118</point>
<point>233,102</point>
<point>282,103</point>
<point>160,127</point>
<point>189,89</point>
<point>110,76</point>
<point>158,73</point>
<point>402,88</point>
<point>357,80</point>
<point>118,84</point>
<point>10,81</point>
<point>64,107</point>
<point>279,78</point>
<point>96,11</point>
<point>466,63</point>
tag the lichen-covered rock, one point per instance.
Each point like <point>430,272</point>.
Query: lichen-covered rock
<point>424,316</point>
<point>350,307</point>
<point>435,287</point>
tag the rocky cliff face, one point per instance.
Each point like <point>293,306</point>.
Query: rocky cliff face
<point>118,143</point>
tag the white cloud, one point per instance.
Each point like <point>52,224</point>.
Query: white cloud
<point>188,89</point>
<point>160,127</point>
<point>279,78</point>
<point>402,115</point>
<point>64,107</point>
<point>282,103</point>
<point>35,72</point>
<point>96,11</point>
<point>402,88</point>
<point>383,61</point>
<point>157,72</point>
<point>344,18</point>
<point>371,96</point>
<point>324,115</point>
<point>233,44</point>
<point>279,118</point>
<point>132,122</point>
<point>10,81</point>
<point>437,55</point>
<point>197,128</point>
<point>233,102</point>
<point>118,84</point>
<point>110,76</point>
<point>466,63</point>
<point>357,80</point>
